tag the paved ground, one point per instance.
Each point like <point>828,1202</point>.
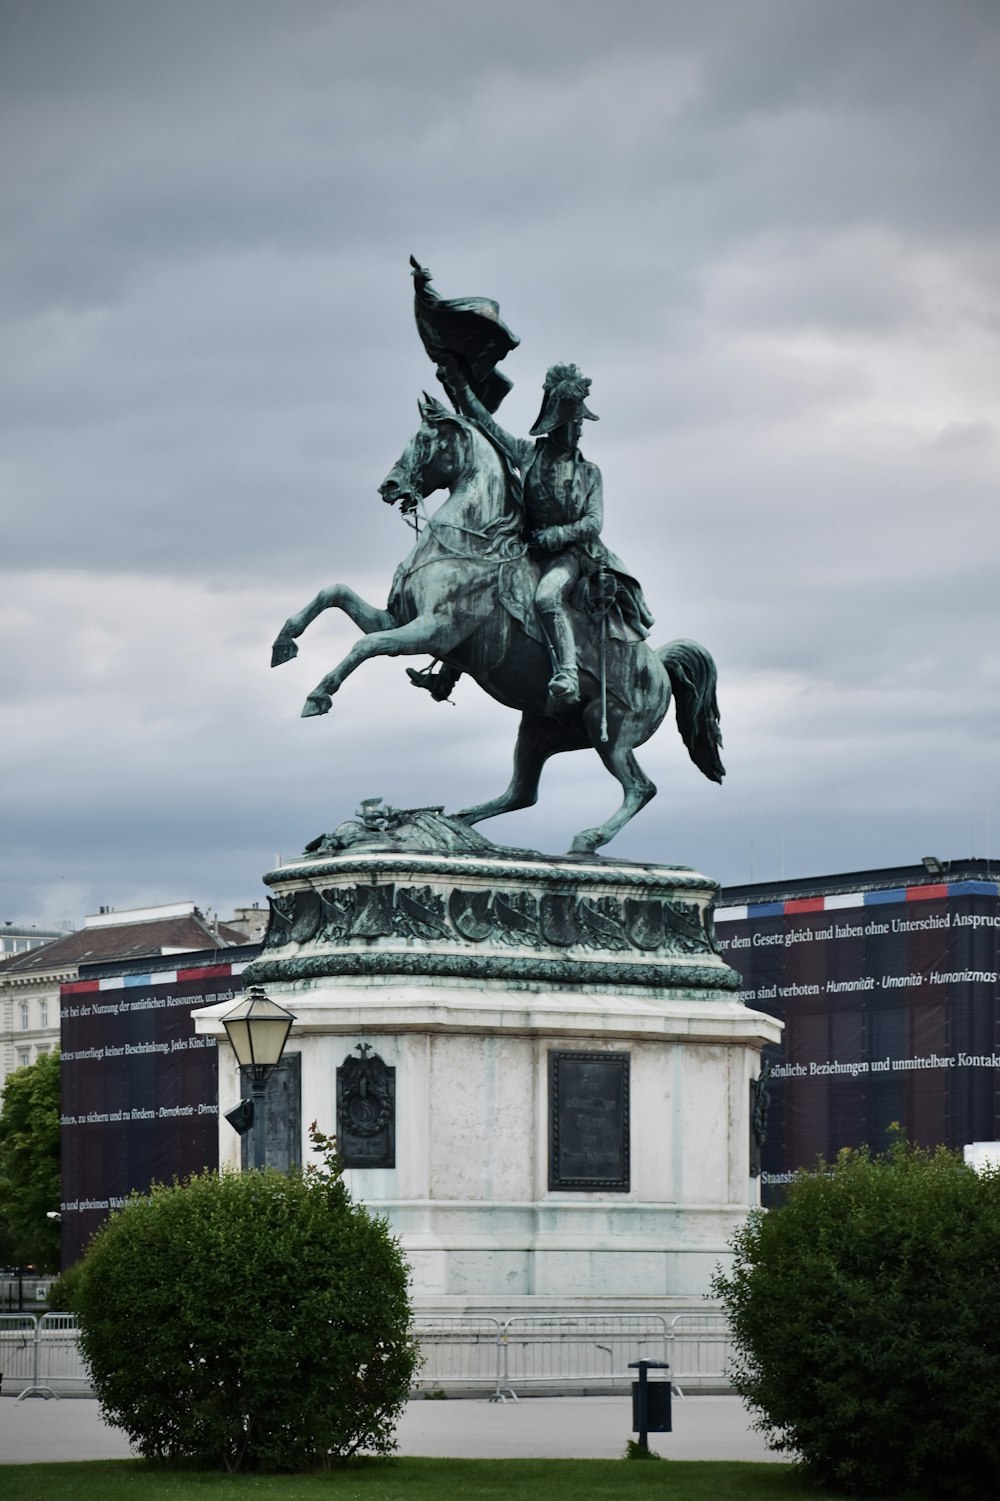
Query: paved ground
<point>538,1427</point>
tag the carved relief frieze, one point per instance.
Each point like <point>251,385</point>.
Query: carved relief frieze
<point>686,925</point>
<point>518,919</point>
<point>420,913</point>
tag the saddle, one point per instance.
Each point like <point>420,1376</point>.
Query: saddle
<point>597,609</point>
<point>600,603</point>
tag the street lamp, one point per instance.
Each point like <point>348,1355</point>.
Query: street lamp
<point>258,1029</point>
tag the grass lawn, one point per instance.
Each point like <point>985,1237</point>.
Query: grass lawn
<point>416,1480</point>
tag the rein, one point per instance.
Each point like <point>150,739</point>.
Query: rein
<point>434,527</point>
<point>510,550</point>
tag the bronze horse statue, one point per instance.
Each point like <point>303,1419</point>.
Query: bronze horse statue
<point>464,594</point>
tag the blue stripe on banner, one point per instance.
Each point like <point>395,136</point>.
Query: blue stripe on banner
<point>974,888</point>
<point>832,903</point>
<point>137,979</point>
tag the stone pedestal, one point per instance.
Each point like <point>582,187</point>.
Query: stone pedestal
<point>568,1117</point>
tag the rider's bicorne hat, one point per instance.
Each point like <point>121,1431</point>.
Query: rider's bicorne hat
<point>566,390</point>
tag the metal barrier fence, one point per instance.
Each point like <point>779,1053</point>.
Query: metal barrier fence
<point>458,1351</point>
<point>40,1357</point>
<point>577,1351</point>
<point>530,1353</point>
<point>17,1344</point>
<point>534,1353</point>
<point>701,1349</point>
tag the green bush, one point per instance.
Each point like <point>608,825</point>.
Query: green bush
<point>866,1318</point>
<point>29,1164</point>
<point>62,1293</point>
<point>256,1321</point>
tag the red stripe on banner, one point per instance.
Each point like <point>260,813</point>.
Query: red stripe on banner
<point>208,973</point>
<point>806,904</point>
<point>926,893</point>
<point>76,987</point>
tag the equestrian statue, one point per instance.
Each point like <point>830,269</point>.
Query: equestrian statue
<point>510,583</point>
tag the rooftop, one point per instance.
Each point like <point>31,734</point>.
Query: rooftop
<point>177,929</point>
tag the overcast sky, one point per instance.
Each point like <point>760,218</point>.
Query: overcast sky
<point>769,234</point>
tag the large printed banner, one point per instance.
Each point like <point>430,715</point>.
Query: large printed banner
<point>139,1089</point>
<point>889,1000</point>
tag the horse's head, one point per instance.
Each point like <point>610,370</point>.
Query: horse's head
<point>433,459</point>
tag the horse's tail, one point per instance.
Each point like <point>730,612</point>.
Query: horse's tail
<point>693,677</point>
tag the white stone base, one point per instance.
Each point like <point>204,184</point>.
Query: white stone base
<point>469,1195</point>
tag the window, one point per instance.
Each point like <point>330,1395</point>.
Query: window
<point>43,1013</point>
<point>24,1016</point>
<point>22,1057</point>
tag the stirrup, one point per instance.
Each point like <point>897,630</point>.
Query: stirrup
<point>438,684</point>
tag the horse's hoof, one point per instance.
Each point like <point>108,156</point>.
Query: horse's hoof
<point>317,703</point>
<point>283,651</point>
<point>586,843</point>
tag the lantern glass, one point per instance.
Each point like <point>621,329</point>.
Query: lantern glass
<point>258,1029</point>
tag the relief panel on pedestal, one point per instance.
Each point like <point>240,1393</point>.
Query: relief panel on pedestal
<point>366,1110</point>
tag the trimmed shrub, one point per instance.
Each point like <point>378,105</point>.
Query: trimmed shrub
<point>867,1323</point>
<point>255,1321</point>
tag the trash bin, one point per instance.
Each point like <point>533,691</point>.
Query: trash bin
<point>651,1412</point>
<point>659,1413</point>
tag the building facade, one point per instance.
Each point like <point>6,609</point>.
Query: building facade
<point>30,981</point>
<point>139,1088</point>
<point>887,982</point>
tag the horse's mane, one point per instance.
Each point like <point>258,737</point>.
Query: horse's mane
<point>435,412</point>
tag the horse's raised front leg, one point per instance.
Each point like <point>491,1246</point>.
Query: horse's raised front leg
<point>538,738</point>
<point>427,633</point>
<point>638,788</point>
<point>337,597</point>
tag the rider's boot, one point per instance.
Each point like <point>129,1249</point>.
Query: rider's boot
<point>438,684</point>
<point>564,685</point>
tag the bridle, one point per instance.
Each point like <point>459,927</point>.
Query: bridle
<point>428,434</point>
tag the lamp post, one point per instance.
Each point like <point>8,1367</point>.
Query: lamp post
<point>258,1029</point>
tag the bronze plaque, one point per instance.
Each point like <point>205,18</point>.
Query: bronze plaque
<point>589,1121</point>
<point>366,1110</point>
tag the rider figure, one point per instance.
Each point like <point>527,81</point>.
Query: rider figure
<point>564,512</point>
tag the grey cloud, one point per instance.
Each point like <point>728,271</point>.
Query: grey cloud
<point>964,437</point>
<point>769,235</point>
